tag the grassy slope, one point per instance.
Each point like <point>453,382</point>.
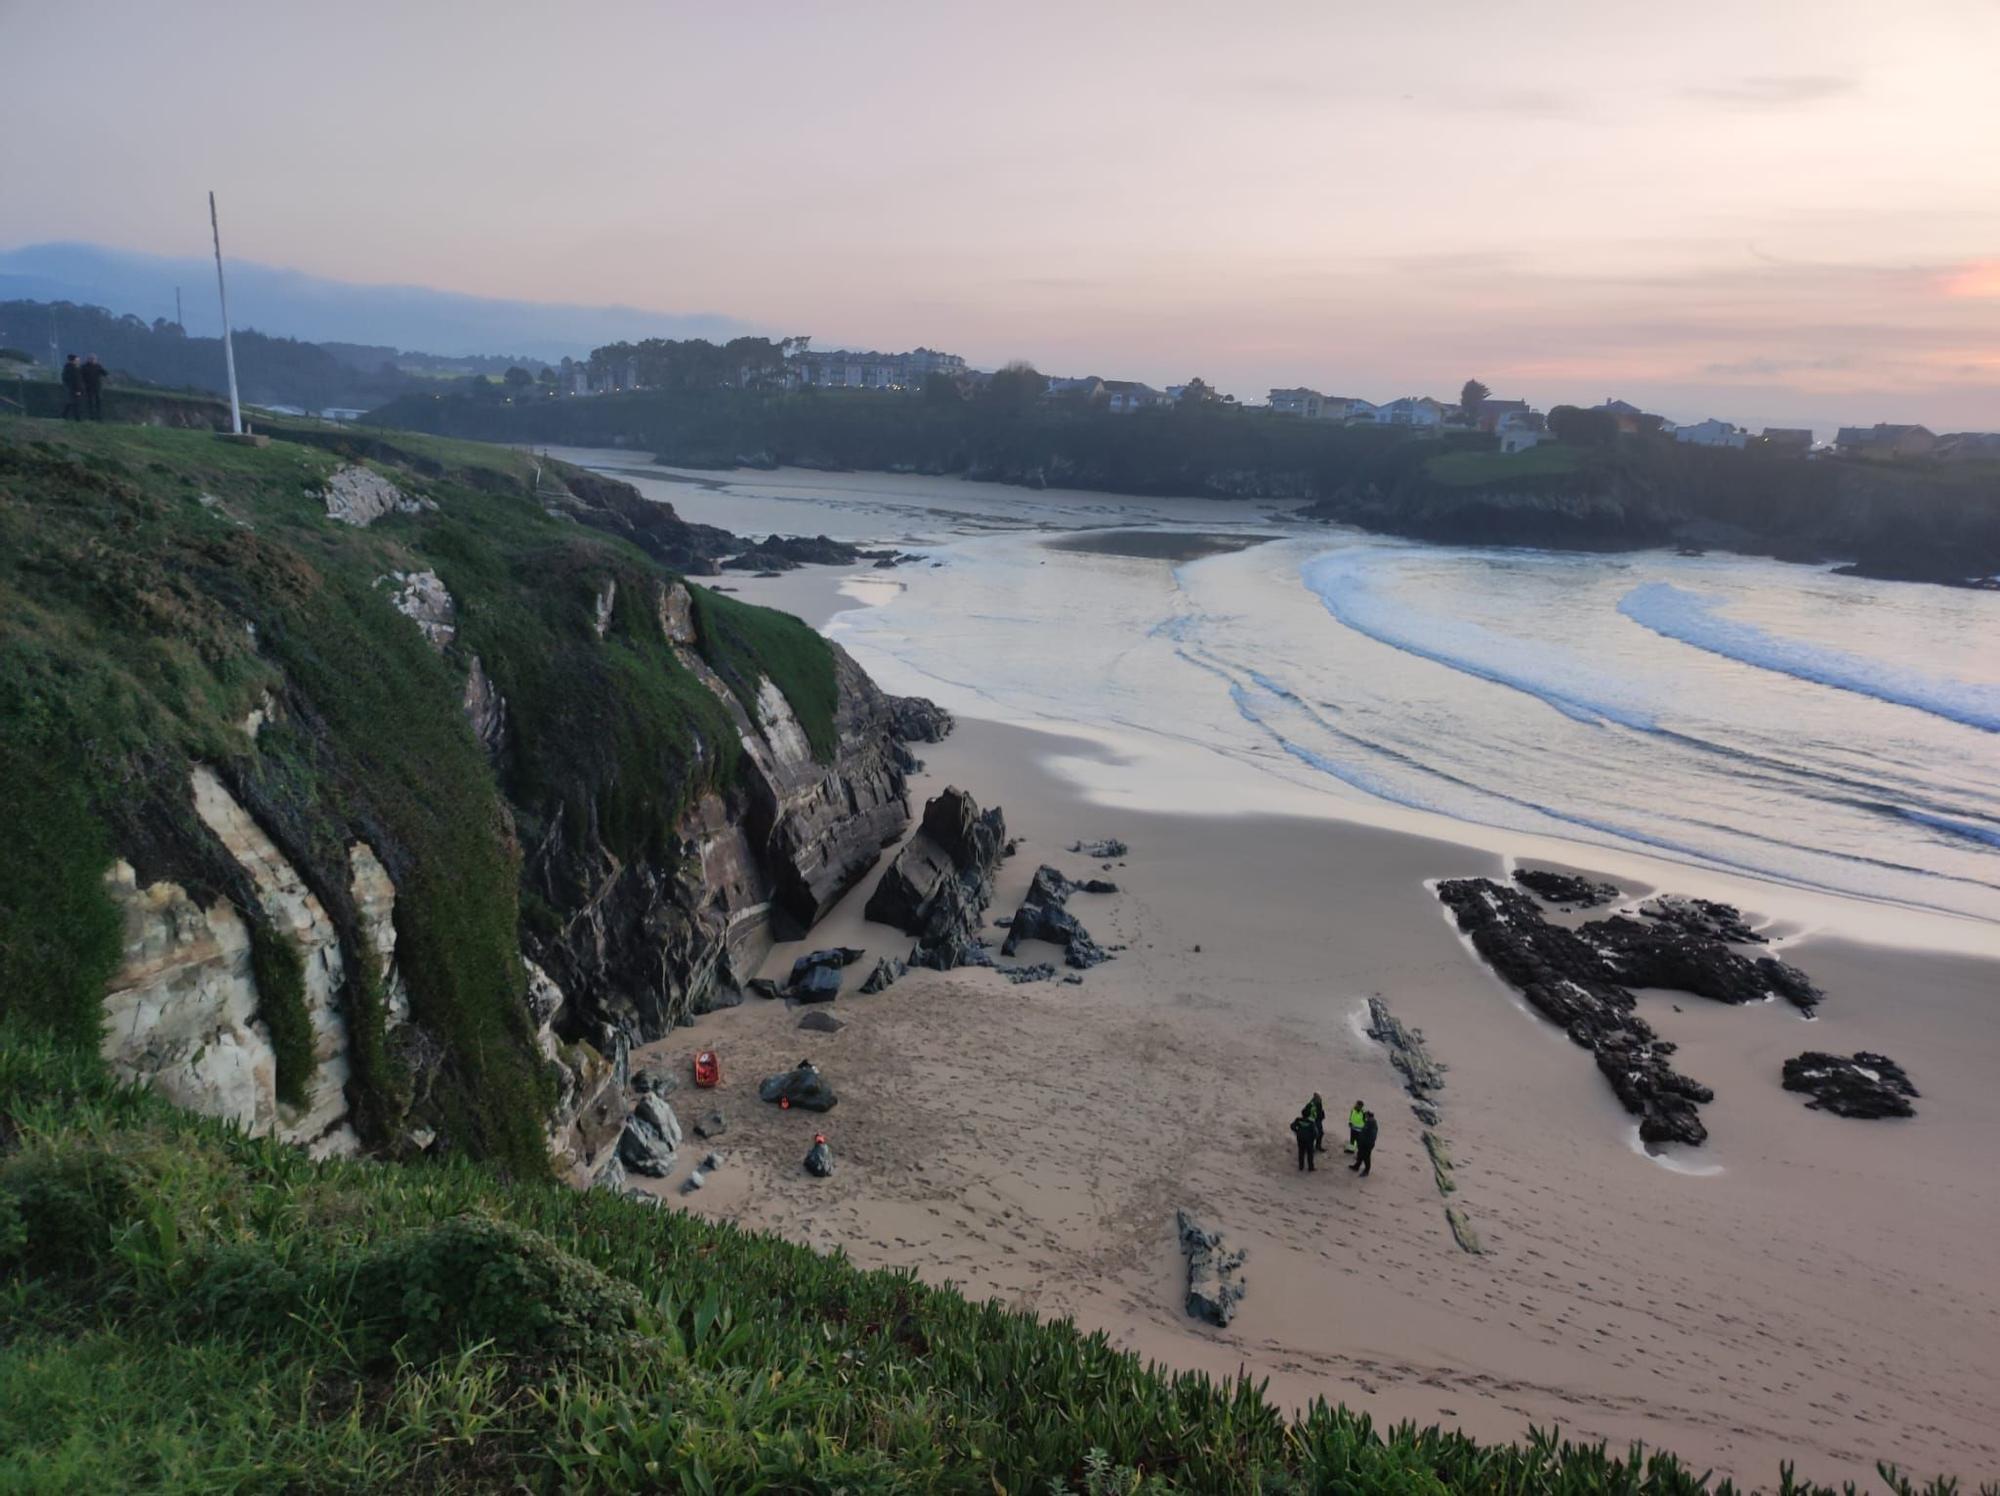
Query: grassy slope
<point>185,1308</point>
<point>155,585</point>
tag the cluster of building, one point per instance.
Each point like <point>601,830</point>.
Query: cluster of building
<point>839,369</point>
<point>1516,425</point>
<point>1514,422</point>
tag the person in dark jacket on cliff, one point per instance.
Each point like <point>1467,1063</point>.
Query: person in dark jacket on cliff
<point>72,380</point>
<point>1364,1145</point>
<point>1303,1130</point>
<point>94,375</point>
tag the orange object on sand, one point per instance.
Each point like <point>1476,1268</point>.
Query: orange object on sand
<point>707,1069</point>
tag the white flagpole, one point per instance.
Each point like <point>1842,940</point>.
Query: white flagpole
<point>228,348</point>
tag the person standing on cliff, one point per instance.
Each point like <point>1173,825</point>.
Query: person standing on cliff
<point>72,382</point>
<point>1364,1145</point>
<point>1303,1131</point>
<point>94,375</point>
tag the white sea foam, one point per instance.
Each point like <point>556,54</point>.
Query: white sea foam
<point>1696,619</point>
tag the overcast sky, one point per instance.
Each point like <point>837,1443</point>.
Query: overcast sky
<point>1769,212</point>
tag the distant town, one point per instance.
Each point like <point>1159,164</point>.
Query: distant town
<point>1515,424</point>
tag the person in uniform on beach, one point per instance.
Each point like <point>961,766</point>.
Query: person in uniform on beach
<point>1316,1109</point>
<point>1356,1115</point>
<point>72,382</point>
<point>1364,1145</point>
<point>1303,1130</point>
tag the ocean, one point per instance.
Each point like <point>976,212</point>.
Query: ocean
<point>1763,720</point>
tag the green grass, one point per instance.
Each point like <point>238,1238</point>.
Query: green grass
<point>743,642</point>
<point>1471,469</point>
<point>156,584</point>
<point>280,977</point>
<point>185,1308</point>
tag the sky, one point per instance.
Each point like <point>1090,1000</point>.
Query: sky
<point>1776,213</point>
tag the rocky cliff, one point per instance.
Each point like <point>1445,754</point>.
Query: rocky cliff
<point>402,795</point>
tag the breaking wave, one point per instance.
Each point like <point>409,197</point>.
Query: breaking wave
<point>1693,618</point>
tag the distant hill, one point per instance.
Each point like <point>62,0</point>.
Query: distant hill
<point>295,304</point>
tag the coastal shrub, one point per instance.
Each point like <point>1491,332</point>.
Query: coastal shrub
<point>230,1313</point>
<point>59,933</point>
<point>280,978</point>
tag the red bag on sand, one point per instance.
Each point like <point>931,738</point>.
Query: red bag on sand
<point>707,1069</point>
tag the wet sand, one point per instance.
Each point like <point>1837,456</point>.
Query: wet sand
<point>1806,1287</point>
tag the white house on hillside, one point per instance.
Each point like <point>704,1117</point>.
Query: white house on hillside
<point>1519,430</point>
<point>1310,404</point>
<point>1411,410</point>
<point>1126,395</point>
<point>1712,433</point>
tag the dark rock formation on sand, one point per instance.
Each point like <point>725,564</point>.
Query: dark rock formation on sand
<point>1043,915</point>
<point>789,552</point>
<point>652,1136</point>
<point>1565,978</point>
<point>1582,978</point>
<point>1214,1282</point>
<point>819,1021</point>
<point>1861,1085</point>
<point>1565,888</point>
<point>940,883</point>
<point>918,719</point>
<point>1421,1074</point>
<point>816,977</point>
<point>1109,847</point>
<point>1702,917</point>
<point>883,977</point>
<point>819,1160</point>
<point>802,1087</point>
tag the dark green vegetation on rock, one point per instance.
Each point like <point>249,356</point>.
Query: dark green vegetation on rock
<point>157,586</point>
<point>1919,520</point>
<point>186,1308</point>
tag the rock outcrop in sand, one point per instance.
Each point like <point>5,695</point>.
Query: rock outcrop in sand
<point>1214,1274</point>
<point>940,883</point>
<point>1565,888</point>
<point>1860,1085</point>
<point>1044,915</point>
<point>1581,979</point>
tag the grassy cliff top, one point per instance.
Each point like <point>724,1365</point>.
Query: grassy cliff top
<point>184,1308</point>
<point>157,586</point>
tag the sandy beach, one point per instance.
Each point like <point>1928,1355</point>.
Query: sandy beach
<point>1804,1288</point>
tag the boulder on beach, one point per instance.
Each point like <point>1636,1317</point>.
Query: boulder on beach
<point>819,1159</point>
<point>819,1021</point>
<point>710,1125</point>
<point>1044,915</point>
<point>1109,847</point>
<point>938,886</point>
<point>1214,1274</point>
<point>651,1137</point>
<point>1858,1085</point>
<point>801,1087</point>
<point>884,976</point>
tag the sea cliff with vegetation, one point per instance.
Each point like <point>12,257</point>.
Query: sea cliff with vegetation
<point>368,795</point>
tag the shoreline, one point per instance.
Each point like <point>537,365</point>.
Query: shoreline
<point>1031,1143</point>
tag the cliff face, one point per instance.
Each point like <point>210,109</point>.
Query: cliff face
<point>649,944</point>
<point>401,820</point>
